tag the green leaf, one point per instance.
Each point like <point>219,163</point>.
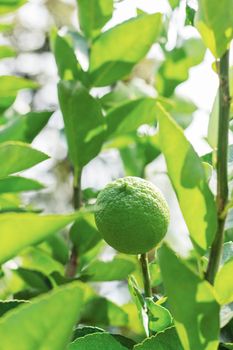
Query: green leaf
<point>17,231</point>
<point>181,109</point>
<point>67,63</point>
<point>210,157</point>
<point>174,3</point>
<point>81,46</point>
<point>127,342</point>
<point>6,27</point>
<point>84,233</point>
<point>93,15</point>
<point>6,102</point>
<point>214,21</point>
<point>35,331</point>
<point>90,255</point>
<point>189,181</point>
<point>10,202</point>
<point>8,305</point>
<point>224,283</point>
<point>130,115</point>
<point>87,330</point>
<point>143,148</point>
<point>25,127</point>
<point>121,141</point>
<point>82,331</point>
<point>114,53</point>
<point>57,247</point>
<point>152,315</point>
<point>10,85</point>
<point>159,317</point>
<point>190,15</point>
<point>134,324</point>
<point>140,12</point>
<point>10,285</point>
<point>117,269</point>
<point>84,122</point>
<point>34,258</point>
<point>208,169</point>
<point>192,303</point>
<point>109,313</point>
<point>19,184</point>
<point>18,156</point>
<point>97,341</point>
<point>34,283</point>
<point>175,68</point>
<point>7,6</point>
<point>167,340</point>
<point>6,51</point>
<point>123,92</point>
<point>138,301</point>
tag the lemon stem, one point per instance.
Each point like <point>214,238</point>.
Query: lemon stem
<point>146,275</point>
<point>222,176</point>
<point>77,203</point>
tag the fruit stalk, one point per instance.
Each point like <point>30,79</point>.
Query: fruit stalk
<point>146,282</point>
<point>146,275</point>
<point>222,176</point>
<point>77,203</point>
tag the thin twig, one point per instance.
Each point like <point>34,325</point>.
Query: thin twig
<point>146,275</point>
<point>222,176</point>
<point>147,285</point>
<point>77,203</point>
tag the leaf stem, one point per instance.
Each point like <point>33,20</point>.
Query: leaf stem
<point>77,193</point>
<point>146,275</point>
<point>77,203</point>
<point>222,176</point>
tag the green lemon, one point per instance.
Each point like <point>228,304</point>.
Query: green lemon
<point>132,215</point>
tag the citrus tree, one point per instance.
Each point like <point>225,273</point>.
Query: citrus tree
<point>53,265</point>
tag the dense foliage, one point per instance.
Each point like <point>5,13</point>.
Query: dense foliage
<point>53,266</point>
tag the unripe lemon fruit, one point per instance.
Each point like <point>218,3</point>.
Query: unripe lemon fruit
<point>132,215</point>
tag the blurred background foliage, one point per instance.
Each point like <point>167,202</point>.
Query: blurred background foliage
<point>42,40</point>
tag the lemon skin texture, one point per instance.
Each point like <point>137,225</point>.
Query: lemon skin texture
<point>132,215</point>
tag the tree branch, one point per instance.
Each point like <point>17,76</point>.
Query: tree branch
<point>77,202</point>
<point>222,175</point>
